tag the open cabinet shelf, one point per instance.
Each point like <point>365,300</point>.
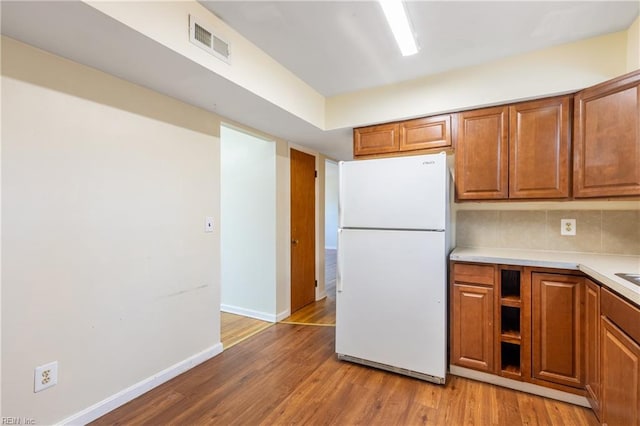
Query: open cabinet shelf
<point>510,358</point>
<point>510,310</point>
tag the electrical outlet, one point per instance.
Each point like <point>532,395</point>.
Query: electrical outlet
<point>567,227</point>
<point>45,376</point>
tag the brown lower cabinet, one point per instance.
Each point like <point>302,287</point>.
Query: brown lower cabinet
<point>620,375</point>
<point>473,332</point>
<point>592,344</point>
<point>557,328</point>
<point>619,361</point>
<point>553,328</point>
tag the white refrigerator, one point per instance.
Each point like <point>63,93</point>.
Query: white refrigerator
<point>391,303</point>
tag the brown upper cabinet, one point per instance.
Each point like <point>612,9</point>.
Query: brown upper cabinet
<point>419,135</point>
<point>425,133</point>
<point>540,148</point>
<point>606,154</point>
<point>517,151</point>
<point>379,139</point>
<point>523,150</point>
<point>482,154</point>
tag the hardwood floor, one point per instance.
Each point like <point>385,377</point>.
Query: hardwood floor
<point>289,374</point>
<point>236,328</point>
<point>322,312</point>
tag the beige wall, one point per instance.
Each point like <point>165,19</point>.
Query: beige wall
<point>283,231</point>
<point>106,266</point>
<point>633,46</point>
<point>559,69</point>
<point>166,22</point>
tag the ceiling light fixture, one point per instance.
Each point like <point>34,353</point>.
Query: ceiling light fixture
<point>397,18</point>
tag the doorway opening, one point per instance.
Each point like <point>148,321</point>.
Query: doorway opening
<point>330,226</point>
<point>248,234</point>
<point>323,312</point>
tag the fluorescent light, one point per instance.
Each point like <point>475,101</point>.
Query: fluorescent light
<point>397,18</point>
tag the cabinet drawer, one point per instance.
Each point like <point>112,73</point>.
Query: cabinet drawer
<point>472,273</point>
<point>620,312</point>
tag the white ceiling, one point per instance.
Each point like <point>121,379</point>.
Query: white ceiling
<point>344,46</point>
<point>335,47</point>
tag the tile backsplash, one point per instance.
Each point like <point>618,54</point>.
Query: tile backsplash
<point>597,231</point>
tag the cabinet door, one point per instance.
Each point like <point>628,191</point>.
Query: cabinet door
<point>607,139</point>
<point>620,369</point>
<point>472,327</point>
<point>539,148</point>
<point>556,318</point>
<point>592,344</point>
<point>425,133</point>
<point>482,154</point>
<point>376,139</point>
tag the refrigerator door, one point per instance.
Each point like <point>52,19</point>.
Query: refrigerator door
<point>391,299</point>
<point>394,193</point>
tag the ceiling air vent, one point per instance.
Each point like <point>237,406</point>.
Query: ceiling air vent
<point>206,39</point>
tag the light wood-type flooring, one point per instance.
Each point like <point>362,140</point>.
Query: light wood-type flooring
<point>322,312</point>
<point>236,328</point>
<point>289,374</point>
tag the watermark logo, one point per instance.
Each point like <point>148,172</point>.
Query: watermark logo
<point>18,421</point>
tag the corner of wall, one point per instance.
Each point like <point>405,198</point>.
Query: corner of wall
<point>633,46</point>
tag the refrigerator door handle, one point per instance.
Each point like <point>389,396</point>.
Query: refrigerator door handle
<point>341,199</point>
<point>339,265</point>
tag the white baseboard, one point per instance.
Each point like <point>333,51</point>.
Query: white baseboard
<point>249,313</point>
<point>321,296</point>
<point>282,315</point>
<point>114,401</point>
<point>520,386</point>
<point>330,248</point>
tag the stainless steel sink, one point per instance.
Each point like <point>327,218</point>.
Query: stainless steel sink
<point>632,278</point>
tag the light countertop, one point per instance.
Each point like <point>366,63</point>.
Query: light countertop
<point>600,267</point>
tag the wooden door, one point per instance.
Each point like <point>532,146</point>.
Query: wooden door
<point>303,240</point>
<point>607,139</point>
<point>540,148</point>
<point>380,139</point>
<point>592,344</point>
<point>620,373</point>
<point>556,323</point>
<point>425,133</point>
<point>482,154</point>
<point>472,327</point>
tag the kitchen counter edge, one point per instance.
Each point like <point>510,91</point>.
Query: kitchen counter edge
<point>600,267</point>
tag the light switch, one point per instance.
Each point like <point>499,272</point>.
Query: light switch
<point>208,224</point>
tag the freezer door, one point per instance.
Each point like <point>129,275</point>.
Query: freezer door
<point>394,193</point>
<point>391,298</point>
